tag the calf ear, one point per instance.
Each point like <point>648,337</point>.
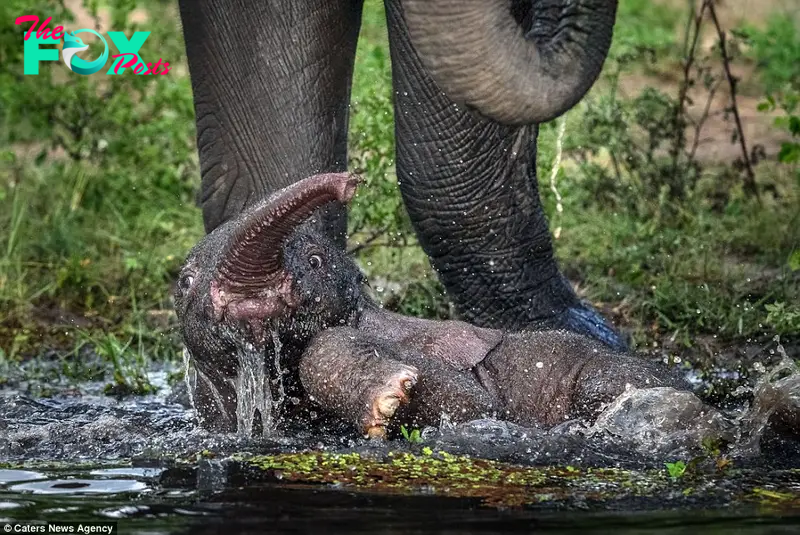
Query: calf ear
<point>456,343</point>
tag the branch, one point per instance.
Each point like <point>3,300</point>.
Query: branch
<point>366,243</point>
<point>698,126</point>
<point>749,179</point>
<point>694,22</point>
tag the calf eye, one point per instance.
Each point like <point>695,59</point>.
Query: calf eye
<point>185,282</point>
<point>315,261</point>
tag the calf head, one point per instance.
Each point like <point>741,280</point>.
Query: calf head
<point>270,272</point>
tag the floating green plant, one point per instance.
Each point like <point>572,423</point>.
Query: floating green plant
<point>495,483</point>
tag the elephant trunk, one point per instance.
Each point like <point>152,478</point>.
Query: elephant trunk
<point>479,54</point>
<point>253,259</point>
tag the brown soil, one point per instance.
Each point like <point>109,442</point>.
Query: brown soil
<point>715,143</point>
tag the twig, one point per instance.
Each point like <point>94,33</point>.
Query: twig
<point>698,125</point>
<point>749,179</point>
<point>617,170</point>
<point>694,22</point>
<point>374,236</point>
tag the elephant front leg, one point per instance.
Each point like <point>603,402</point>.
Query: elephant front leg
<point>469,184</point>
<point>355,382</point>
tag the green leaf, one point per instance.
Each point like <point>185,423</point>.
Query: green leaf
<point>676,470</point>
<point>132,263</point>
<point>794,260</point>
<point>794,125</point>
<point>789,153</point>
<point>412,436</point>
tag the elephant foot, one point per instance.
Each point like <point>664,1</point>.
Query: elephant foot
<point>383,402</point>
<point>586,320</point>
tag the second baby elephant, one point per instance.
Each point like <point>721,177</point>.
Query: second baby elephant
<point>271,309</point>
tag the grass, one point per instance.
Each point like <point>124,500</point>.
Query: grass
<point>642,25</point>
<point>714,273</point>
<point>98,177</point>
<point>96,193</point>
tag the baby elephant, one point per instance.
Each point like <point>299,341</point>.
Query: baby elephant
<point>267,301</point>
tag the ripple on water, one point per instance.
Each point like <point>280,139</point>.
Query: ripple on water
<point>13,476</point>
<point>80,486</point>
<point>149,472</point>
<point>125,511</point>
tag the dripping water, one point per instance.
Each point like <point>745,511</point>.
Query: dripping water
<point>253,394</point>
<point>279,372</point>
<point>256,407</point>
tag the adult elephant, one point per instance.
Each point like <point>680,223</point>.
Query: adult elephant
<point>472,80</point>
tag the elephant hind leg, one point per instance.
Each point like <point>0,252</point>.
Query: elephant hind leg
<point>547,377</point>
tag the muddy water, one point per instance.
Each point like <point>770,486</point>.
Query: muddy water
<point>143,462</point>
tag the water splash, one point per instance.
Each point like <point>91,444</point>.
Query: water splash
<point>253,393</point>
<point>665,421</point>
<point>190,376</point>
<point>279,372</point>
<point>662,420</point>
<point>777,391</point>
<point>254,384</point>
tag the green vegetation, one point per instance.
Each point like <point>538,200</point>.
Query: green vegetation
<point>413,436</point>
<point>98,176</point>
<point>645,27</point>
<point>776,50</point>
<point>676,469</point>
<point>504,485</point>
<point>668,238</point>
<point>97,182</point>
<point>494,483</point>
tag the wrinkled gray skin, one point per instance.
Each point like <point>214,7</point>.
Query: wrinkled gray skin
<point>246,278</point>
<point>272,268</point>
<point>472,80</point>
